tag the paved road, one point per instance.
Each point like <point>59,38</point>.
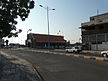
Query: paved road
<point>65,68</point>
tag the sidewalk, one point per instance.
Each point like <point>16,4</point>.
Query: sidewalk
<point>13,68</point>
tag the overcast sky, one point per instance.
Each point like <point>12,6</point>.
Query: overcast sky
<point>66,18</point>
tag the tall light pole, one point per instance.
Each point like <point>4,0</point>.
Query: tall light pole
<point>47,8</point>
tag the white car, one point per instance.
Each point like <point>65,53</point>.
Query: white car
<point>74,49</point>
<point>104,53</point>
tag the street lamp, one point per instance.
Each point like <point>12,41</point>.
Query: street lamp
<point>47,8</point>
<point>29,30</point>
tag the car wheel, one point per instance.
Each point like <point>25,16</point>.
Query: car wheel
<point>68,51</point>
<point>74,52</point>
<point>78,51</point>
<point>104,55</point>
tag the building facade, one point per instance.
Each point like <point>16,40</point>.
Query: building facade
<point>95,32</point>
<point>42,40</point>
<point>1,43</point>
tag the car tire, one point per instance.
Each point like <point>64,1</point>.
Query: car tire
<point>104,55</point>
<point>73,52</point>
<point>67,51</point>
<point>78,51</point>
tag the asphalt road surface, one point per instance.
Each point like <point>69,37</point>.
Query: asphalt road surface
<point>65,68</point>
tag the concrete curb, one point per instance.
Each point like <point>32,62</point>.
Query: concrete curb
<point>75,55</point>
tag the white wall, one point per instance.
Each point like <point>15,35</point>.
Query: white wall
<point>103,46</point>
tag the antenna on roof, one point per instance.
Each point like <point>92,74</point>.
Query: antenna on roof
<point>97,11</point>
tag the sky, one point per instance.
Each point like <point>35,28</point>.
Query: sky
<point>66,18</point>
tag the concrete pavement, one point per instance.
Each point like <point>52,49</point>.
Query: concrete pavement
<point>13,68</point>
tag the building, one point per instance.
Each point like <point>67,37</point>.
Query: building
<point>95,32</point>
<point>41,41</point>
<point>1,43</point>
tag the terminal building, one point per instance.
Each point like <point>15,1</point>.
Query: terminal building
<point>95,32</point>
<point>42,40</point>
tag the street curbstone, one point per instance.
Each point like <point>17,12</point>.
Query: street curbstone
<point>53,53</point>
<point>68,55</point>
<point>106,60</point>
<point>72,55</point>
<point>87,57</point>
<point>61,54</point>
<point>76,55</point>
<point>81,56</point>
<point>100,59</point>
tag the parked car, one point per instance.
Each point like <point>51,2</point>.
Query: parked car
<point>104,53</point>
<point>74,49</point>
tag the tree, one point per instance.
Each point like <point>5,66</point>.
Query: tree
<point>7,41</point>
<point>9,12</point>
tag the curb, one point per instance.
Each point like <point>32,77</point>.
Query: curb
<point>74,55</point>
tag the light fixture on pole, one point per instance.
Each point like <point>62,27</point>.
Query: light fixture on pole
<point>29,30</point>
<point>47,8</point>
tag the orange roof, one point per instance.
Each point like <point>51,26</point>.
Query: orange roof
<point>52,38</point>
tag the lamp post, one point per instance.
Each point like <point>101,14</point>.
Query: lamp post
<point>47,8</point>
<point>29,30</point>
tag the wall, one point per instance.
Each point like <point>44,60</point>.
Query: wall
<point>103,46</point>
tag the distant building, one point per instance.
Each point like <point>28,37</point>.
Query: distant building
<point>41,41</point>
<point>95,32</point>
